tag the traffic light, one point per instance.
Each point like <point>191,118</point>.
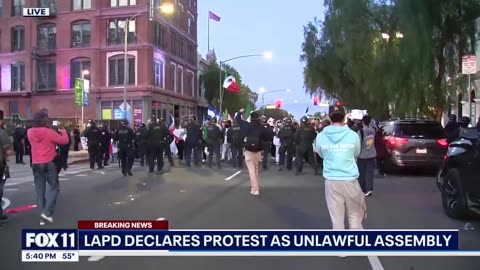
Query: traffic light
<point>315,101</point>
<point>154,104</point>
<point>278,103</point>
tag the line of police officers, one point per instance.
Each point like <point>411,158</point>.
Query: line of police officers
<point>153,143</point>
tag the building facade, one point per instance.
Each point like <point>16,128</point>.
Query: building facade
<point>41,57</point>
<point>202,108</point>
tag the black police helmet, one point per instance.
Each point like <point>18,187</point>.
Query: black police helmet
<point>464,121</point>
<point>304,120</point>
<point>288,120</point>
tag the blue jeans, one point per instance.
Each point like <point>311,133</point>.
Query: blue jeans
<point>43,174</point>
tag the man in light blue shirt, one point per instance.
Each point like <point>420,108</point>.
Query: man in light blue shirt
<point>339,147</point>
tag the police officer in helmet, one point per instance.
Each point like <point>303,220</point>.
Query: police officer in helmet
<point>215,135</point>
<point>304,138</point>
<point>142,143</point>
<point>93,135</point>
<point>166,141</point>
<point>156,144</point>
<point>125,136</point>
<point>286,136</point>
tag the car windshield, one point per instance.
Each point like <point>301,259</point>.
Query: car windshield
<point>420,130</point>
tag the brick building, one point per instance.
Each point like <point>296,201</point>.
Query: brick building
<point>41,57</point>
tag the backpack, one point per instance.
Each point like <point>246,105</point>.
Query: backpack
<point>253,141</point>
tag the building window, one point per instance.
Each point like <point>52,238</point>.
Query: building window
<point>122,3</point>
<point>159,35</point>
<point>158,73</point>
<point>81,34</point>
<point>189,26</point>
<point>81,4</point>
<point>189,87</point>
<point>116,31</point>
<point>46,75</point>
<point>1,8</point>
<point>17,7</point>
<point>18,38</point>
<point>77,66</point>
<point>116,70</point>
<point>177,44</point>
<point>173,75</point>
<point>190,3</point>
<point>51,4</point>
<point>180,80</point>
<point>47,37</point>
<point>17,77</point>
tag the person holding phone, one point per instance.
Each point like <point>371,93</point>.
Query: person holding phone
<point>44,141</point>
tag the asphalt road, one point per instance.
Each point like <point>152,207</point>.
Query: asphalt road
<point>201,198</point>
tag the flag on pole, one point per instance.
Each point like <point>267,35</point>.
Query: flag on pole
<point>231,85</point>
<point>212,112</point>
<point>171,121</point>
<point>248,112</point>
<point>213,16</point>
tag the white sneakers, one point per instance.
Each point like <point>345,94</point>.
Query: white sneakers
<point>369,193</point>
<point>255,193</point>
<point>45,218</point>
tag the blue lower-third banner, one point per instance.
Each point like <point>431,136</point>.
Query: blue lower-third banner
<point>268,240</point>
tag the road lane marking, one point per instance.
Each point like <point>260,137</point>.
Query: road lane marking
<point>11,189</point>
<point>100,172</point>
<point>232,176</point>
<point>375,263</point>
<point>6,203</point>
<point>161,218</point>
<point>95,258</point>
<point>81,175</point>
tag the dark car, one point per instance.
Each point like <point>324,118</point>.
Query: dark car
<point>414,143</point>
<point>459,177</point>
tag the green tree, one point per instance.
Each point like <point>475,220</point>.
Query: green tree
<point>232,102</point>
<point>346,57</point>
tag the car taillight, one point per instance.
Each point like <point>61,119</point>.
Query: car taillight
<point>442,142</point>
<point>395,141</point>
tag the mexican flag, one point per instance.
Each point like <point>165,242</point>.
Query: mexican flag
<point>248,112</point>
<point>231,85</point>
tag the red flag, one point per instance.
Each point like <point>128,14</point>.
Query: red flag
<point>213,16</point>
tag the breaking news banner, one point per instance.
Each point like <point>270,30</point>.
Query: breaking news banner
<point>154,238</point>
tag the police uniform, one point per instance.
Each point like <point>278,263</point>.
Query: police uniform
<point>93,134</point>
<point>142,143</point>
<point>286,136</point>
<point>105,139</point>
<point>193,142</point>
<point>166,141</point>
<point>156,135</point>
<point>125,136</point>
<point>304,138</point>
<point>215,135</point>
<point>235,139</point>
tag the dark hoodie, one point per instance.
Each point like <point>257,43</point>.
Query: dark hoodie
<point>43,142</point>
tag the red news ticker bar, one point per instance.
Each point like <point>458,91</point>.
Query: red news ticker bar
<point>122,225</point>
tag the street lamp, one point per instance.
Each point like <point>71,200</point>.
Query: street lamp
<point>84,73</point>
<point>265,92</point>
<point>166,8</point>
<point>267,55</point>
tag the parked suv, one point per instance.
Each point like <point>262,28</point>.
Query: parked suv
<point>415,143</point>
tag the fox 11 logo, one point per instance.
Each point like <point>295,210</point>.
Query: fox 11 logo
<point>49,239</point>
<point>36,12</point>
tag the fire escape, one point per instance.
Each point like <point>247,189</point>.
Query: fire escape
<point>45,49</point>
